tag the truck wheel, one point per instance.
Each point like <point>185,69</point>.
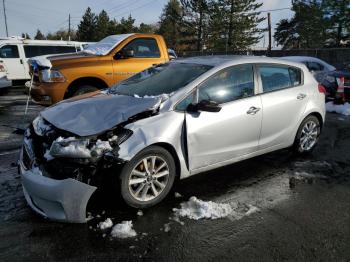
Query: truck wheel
<point>307,135</point>
<point>148,178</point>
<point>84,89</point>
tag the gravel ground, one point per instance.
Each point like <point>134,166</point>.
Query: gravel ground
<point>302,210</point>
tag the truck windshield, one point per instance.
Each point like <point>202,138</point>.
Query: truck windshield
<point>161,79</point>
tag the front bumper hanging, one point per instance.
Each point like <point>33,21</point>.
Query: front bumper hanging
<point>61,200</point>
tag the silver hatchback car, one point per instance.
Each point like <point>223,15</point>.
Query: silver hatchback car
<point>172,120</point>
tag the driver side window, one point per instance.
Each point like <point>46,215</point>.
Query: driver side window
<point>228,85</point>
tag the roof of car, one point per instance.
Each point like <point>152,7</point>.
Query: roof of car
<point>220,60</point>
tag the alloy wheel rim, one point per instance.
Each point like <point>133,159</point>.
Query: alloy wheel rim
<point>148,178</point>
<point>309,136</point>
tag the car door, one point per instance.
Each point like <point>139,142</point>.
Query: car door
<point>10,54</point>
<point>146,53</point>
<point>234,130</point>
<point>284,99</point>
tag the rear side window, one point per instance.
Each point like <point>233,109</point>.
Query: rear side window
<point>9,51</point>
<point>277,77</point>
<point>144,47</point>
<point>228,85</point>
<point>37,50</point>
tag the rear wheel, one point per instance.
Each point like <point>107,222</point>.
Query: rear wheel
<point>148,178</point>
<point>307,135</point>
<point>84,89</point>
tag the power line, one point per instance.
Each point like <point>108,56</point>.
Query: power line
<point>120,14</point>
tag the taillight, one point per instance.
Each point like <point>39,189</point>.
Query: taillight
<point>321,89</point>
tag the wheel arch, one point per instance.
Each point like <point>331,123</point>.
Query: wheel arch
<point>172,151</point>
<point>93,81</point>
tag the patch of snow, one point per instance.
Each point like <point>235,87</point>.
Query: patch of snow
<point>106,45</point>
<point>101,147</point>
<point>48,156</point>
<point>167,227</point>
<point>340,109</point>
<point>177,195</point>
<point>77,148</point>
<point>252,209</point>
<point>123,230</point>
<point>70,147</point>
<point>41,61</point>
<point>105,224</point>
<point>197,209</point>
<point>140,213</point>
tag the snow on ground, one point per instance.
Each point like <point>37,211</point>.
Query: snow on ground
<point>340,109</point>
<point>123,230</point>
<point>105,224</point>
<point>197,209</point>
<point>177,195</point>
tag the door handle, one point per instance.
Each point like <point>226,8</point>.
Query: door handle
<point>301,96</point>
<point>253,110</point>
<point>21,61</point>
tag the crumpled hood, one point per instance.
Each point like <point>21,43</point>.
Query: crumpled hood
<point>93,115</point>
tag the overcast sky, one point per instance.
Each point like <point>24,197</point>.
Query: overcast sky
<point>50,15</point>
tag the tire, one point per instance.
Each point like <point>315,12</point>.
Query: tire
<point>142,194</point>
<point>305,141</point>
<point>84,89</point>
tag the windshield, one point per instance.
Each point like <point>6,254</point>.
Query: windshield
<point>106,45</point>
<point>161,79</point>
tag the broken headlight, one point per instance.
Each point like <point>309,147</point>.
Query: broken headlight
<point>70,148</point>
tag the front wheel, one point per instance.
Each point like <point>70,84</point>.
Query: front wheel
<point>307,135</point>
<point>84,90</point>
<point>148,178</point>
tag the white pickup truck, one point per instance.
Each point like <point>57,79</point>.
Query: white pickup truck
<point>14,53</point>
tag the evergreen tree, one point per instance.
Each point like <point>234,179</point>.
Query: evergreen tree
<point>306,29</point>
<point>338,13</point>
<point>170,23</point>
<point>87,27</point>
<point>235,21</point>
<point>196,19</point>
<point>147,28</point>
<point>126,25</point>
<point>102,25</point>
<point>39,35</point>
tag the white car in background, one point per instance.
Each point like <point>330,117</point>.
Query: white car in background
<point>317,67</point>
<point>15,52</point>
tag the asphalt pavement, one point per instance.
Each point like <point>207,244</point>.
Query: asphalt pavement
<point>301,209</point>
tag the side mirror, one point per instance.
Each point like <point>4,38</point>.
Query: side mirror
<point>204,105</point>
<point>124,54</point>
<point>129,53</point>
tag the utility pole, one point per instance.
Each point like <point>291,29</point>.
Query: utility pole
<point>270,33</point>
<point>69,27</point>
<point>7,32</point>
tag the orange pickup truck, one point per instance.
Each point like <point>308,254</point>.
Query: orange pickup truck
<point>98,66</point>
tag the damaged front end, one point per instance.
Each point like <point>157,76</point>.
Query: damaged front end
<point>60,170</point>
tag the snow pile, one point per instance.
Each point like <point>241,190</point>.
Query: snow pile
<point>197,209</point>
<point>105,224</point>
<point>340,109</point>
<point>101,147</point>
<point>41,61</point>
<point>123,230</point>
<point>78,148</point>
<point>106,45</point>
